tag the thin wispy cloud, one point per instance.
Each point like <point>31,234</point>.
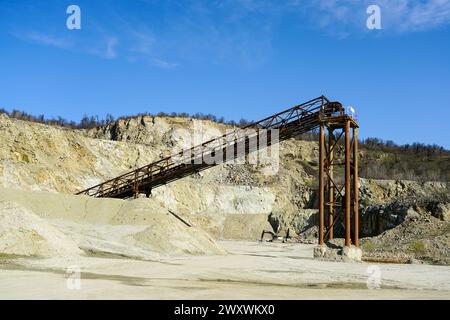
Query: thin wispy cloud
<point>417,15</point>
<point>138,42</point>
<point>46,39</point>
<point>143,46</point>
<point>139,46</point>
<point>143,42</point>
<point>163,64</point>
<point>232,31</point>
<point>243,31</point>
<point>223,32</point>
<point>105,48</point>
<point>398,16</point>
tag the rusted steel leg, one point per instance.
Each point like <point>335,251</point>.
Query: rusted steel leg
<point>321,184</point>
<point>355,188</point>
<point>330,183</point>
<point>347,183</point>
<point>136,186</point>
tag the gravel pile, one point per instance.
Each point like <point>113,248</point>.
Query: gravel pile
<point>23,233</point>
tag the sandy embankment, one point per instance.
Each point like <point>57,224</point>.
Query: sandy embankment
<point>49,224</point>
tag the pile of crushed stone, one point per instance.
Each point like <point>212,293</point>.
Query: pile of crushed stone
<point>175,238</point>
<point>422,238</point>
<point>23,233</point>
<point>164,231</point>
<point>56,225</point>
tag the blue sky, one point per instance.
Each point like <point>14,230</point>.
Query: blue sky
<point>233,58</point>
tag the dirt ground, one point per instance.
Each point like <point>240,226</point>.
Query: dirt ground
<point>251,270</point>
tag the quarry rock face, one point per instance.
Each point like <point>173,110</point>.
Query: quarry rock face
<point>230,201</point>
<point>389,203</point>
<point>38,157</point>
<point>46,158</point>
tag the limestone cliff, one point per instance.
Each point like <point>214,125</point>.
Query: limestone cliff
<point>229,200</point>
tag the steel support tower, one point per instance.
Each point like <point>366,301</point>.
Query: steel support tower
<point>338,196</point>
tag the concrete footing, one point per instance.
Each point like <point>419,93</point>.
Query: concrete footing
<point>347,254</point>
<point>352,253</point>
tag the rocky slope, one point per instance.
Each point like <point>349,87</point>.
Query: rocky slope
<point>421,237</point>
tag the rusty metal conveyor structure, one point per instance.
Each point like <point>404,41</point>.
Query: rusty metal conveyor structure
<point>337,203</point>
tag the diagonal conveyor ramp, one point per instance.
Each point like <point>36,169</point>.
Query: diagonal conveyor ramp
<point>296,120</point>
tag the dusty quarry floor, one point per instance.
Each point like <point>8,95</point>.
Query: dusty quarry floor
<point>251,270</point>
